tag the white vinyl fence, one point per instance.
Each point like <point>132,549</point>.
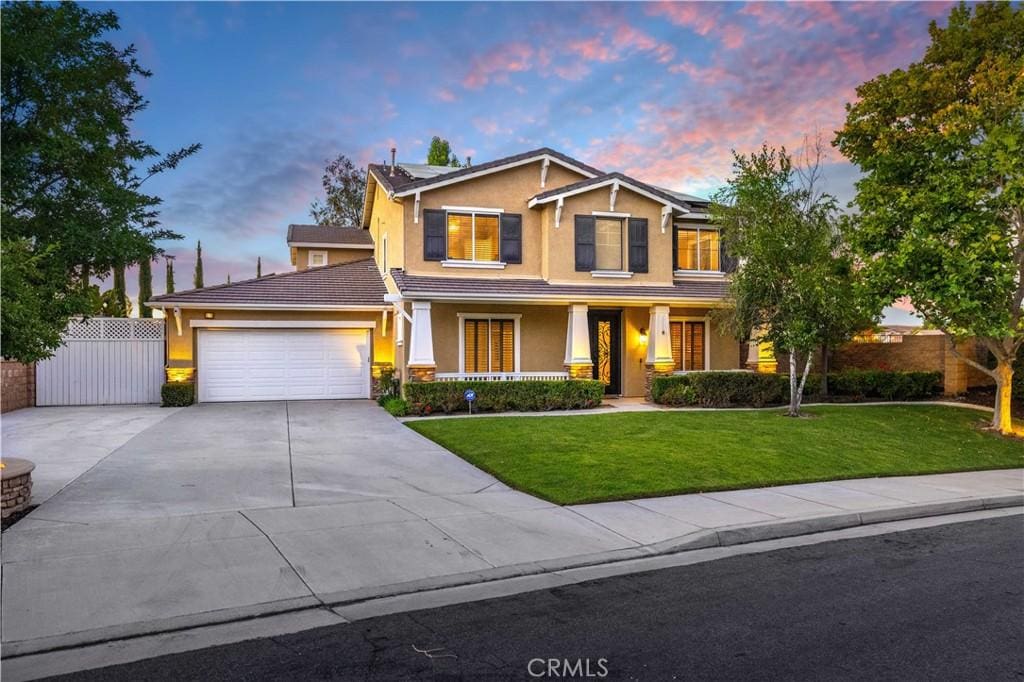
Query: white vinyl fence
<point>104,361</point>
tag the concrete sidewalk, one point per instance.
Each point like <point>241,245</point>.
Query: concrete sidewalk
<point>67,584</point>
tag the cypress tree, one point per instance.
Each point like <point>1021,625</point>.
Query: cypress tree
<point>145,287</point>
<point>120,303</point>
<point>197,279</point>
<point>170,275</point>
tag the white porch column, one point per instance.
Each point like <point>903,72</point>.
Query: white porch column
<point>421,343</point>
<point>577,343</point>
<point>659,344</point>
<point>659,348</point>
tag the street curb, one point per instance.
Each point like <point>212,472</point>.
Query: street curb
<point>358,600</point>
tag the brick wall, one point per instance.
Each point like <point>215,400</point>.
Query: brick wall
<point>17,386</point>
<point>917,353</point>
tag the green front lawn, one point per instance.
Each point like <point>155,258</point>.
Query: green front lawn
<point>571,460</point>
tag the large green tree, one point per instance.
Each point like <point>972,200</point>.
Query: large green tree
<point>940,207</point>
<point>440,153</point>
<point>796,286</point>
<point>344,187</point>
<point>71,202</point>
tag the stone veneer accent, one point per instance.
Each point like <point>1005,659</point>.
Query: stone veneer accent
<point>655,370</point>
<point>580,371</point>
<point>422,373</point>
<point>15,486</point>
<point>18,383</point>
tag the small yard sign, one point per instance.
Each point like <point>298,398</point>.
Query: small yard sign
<point>470,395</point>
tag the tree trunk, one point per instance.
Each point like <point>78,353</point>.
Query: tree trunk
<point>1002,418</point>
<point>794,406</point>
<point>824,371</point>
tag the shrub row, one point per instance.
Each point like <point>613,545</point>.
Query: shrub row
<point>500,396</point>
<point>872,383</point>
<point>177,394</point>
<point>721,389</point>
<point>750,389</point>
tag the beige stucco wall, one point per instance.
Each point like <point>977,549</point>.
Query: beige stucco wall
<point>509,190</point>
<point>387,219</point>
<point>542,338</point>
<point>334,256</point>
<point>182,351</point>
<point>561,264</point>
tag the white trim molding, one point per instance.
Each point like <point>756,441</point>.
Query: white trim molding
<point>163,305</point>
<point>516,317</point>
<point>611,274</point>
<point>281,324</point>
<point>558,212</point>
<point>493,169</point>
<point>610,214</point>
<point>416,209</point>
<point>698,274</point>
<point>328,245</point>
<point>616,182</point>
<point>544,171</point>
<point>666,217</point>
<point>471,209</point>
<point>310,262</point>
<point>479,264</point>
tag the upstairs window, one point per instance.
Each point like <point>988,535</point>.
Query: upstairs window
<point>608,244</point>
<point>317,258</point>
<point>473,237</point>
<point>697,249</point>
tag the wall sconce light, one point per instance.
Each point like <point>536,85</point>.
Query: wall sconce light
<point>208,316</point>
<point>643,336</point>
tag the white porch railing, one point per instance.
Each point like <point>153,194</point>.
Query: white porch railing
<point>501,376</point>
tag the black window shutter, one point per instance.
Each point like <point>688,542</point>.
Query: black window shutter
<point>511,250</point>
<point>638,244</point>
<point>434,233</point>
<point>675,248</point>
<point>585,243</point>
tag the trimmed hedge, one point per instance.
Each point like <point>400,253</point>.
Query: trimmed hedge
<point>876,383</point>
<point>177,394</point>
<point>751,389</point>
<point>721,389</point>
<point>427,397</point>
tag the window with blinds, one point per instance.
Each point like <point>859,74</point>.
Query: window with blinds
<point>687,345</point>
<point>489,346</point>
<point>473,236</point>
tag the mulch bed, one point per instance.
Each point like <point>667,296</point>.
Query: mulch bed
<point>987,398</point>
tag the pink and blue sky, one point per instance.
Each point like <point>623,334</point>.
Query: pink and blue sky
<point>662,91</point>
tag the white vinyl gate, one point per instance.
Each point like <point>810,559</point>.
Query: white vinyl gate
<point>104,361</point>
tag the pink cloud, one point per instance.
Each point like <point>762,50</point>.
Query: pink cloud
<point>497,62</point>
<point>445,95</point>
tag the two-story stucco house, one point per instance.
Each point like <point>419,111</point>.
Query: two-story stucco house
<point>532,266</point>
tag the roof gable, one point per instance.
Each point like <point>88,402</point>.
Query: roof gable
<point>610,179</point>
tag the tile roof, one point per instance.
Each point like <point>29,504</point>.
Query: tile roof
<point>409,176</point>
<point>320,234</point>
<point>665,195</point>
<point>712,289</point>
<point>357,283</point>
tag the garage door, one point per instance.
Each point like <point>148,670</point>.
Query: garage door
<point>279,364</point>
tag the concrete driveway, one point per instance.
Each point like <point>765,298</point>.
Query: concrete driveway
<point>65,442</point>
<point>144,463</point>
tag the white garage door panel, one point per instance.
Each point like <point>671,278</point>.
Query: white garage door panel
<point>295,364</point>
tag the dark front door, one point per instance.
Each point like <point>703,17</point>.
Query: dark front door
<point>606,349</point>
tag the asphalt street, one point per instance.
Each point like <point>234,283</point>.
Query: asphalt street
<point>939,603</point>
